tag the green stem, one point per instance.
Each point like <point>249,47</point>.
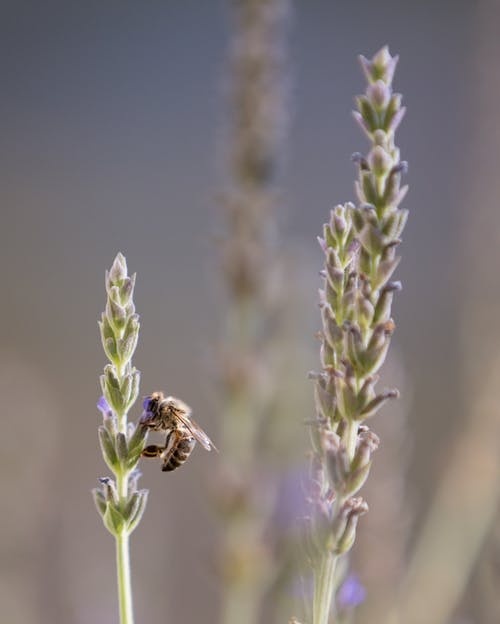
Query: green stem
<point>122,542</point>
<point>124,585</point>
<point>323,589</point>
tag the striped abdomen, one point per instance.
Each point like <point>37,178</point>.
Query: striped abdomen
<point>180,450</point>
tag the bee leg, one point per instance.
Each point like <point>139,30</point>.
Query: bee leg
<point>152,451</point>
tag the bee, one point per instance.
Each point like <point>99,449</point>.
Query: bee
<point>173,416</point>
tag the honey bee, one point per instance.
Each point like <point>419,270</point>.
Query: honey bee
<point>173,416</point>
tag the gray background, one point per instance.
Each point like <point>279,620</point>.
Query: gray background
<point>112,118</point>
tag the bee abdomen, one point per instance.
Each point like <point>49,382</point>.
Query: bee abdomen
<point>179,454</point>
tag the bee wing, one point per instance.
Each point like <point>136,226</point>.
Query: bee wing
<point>197,432</point>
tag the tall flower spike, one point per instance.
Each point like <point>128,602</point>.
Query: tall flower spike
<point>359,244</point>
<point>118,500</point>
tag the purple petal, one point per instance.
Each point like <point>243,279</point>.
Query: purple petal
<point>379,94</point>
<point>145,403</point>
<point>351,593</point>
<point>104,408</point>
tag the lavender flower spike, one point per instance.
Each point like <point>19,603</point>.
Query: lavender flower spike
<point>359,244</point>
<point>118,500</point>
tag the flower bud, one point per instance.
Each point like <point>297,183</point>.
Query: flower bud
<point>367,443</point>
<point>381,67</point>
<point>380,161</point>
<point>133,479</point>
<point>384,303</point>
<point>379,95</point>
<point>136,441</point>
<point>127,289</point>
<point>337,460</point>
<point>367,112</point>
<point>391,191</point>
<point>335,277</point>
<point>116,314</point>
<point>355,344</point>
<point>131,506</point>
<point>333,333</point>
<point>338,222</point>
<point>328,237</point>
<point>118,271</point>
<point>108,339</point>
<point>357,479</point>
<point>333,259</point>
<point>113,519</point>
<point>368,188</point>
<point>344,528</point>
<point>392,124</point>
<point>126,346</point>
<point>373,240</point>
<point>331,297</point>
<point>325,401</point>
<point>108,448</point>
<point>376,403</point>
<point>365,311</point>
<point>383,273</point>
<point>122,448</point>
<point>347,402</point>
<point>99,500</point>
<point>374,355</point>
<point>351,252</point>
<point>367,391</point>
<point>327,355</point>
<point>111,389</point>
<point>105,327</point>
<point>129,388</point>
<point>138,510</point>
<point>109,490</point>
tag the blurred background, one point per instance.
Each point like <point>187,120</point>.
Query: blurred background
<point>114,126</point>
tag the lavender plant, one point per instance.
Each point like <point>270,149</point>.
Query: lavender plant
<point>119,501</point>
<point>359,244</point>
<point>249,262</point>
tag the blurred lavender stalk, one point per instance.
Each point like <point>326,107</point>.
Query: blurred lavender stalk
<point>258,119</point>
<point>359,244</point>
<point>118,501</point>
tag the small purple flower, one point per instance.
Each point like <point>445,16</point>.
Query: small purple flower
<point>104,407</point>
<point>351,593</point>
<point>147,414</point>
